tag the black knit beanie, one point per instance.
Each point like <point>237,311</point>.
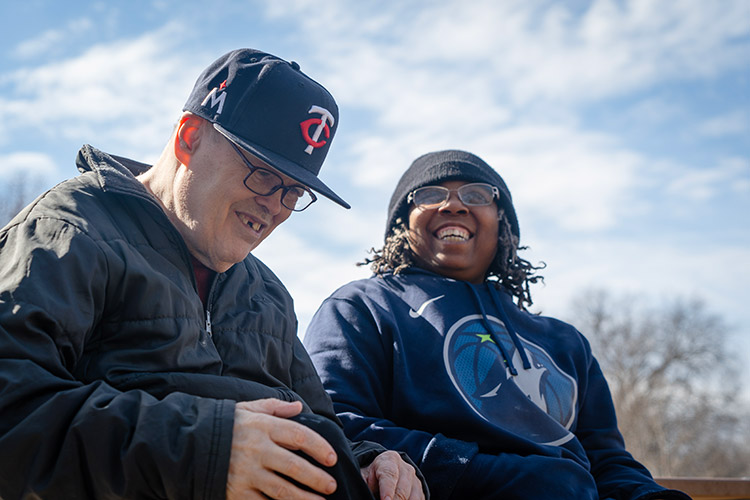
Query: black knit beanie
<point>442,166</point>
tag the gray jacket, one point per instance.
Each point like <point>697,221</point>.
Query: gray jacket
<point>114,380</point>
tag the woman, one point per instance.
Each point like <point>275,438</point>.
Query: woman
<point>436,354</point>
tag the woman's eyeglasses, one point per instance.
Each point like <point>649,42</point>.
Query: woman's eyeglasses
<point>476,194</point>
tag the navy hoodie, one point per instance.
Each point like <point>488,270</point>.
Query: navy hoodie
<point>489,400</point>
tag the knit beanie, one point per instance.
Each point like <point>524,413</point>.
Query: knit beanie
<point>442,166</point>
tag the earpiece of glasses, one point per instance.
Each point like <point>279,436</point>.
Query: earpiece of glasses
<point>475,194</point>
<point>265,182</point>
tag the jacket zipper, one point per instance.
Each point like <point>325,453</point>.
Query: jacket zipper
<point>209,329</point>
<point>209,301</point>
<point>181,242</point>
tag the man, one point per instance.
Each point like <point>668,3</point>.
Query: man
<point>144,352</point>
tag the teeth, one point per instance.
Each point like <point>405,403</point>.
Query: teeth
<point>453,234</point>
<point>255,225</point>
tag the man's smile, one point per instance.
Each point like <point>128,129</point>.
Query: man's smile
<point>250,222</point>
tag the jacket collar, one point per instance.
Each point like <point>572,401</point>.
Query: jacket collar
<point>115,173</point>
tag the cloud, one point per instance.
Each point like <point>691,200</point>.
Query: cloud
<point>654,269</point>
<point>573,179</point>
<point>531,51</point>
<point>126,92</point>
<point>506,80</point>
<point>51,41</point>
<point>308,268</point>
<point>576,179</point>
<point>702,185</point>
<point>735,122</point>
<point>641,267</point>
<point>33,164</point>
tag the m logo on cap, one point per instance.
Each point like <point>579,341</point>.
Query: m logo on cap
<point>322,126</point>
<point>216,99</point>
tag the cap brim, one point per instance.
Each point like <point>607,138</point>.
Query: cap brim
<point>285,166</point>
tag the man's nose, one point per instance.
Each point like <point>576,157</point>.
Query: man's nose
<point>271,202</point>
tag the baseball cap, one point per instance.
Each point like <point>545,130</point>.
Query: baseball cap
<point>273,110</point>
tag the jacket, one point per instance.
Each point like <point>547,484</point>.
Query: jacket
<point>488,400</point>
<point>114,380</point>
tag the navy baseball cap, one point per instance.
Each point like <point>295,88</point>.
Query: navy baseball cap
<point>271,109</point>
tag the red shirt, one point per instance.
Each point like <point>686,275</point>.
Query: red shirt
<point>203,278</point>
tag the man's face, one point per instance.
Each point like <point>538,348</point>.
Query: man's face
<point>220,219</point>
<point>455,240</point>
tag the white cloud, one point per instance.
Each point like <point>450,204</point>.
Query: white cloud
<point>532,50</point>
<point>578,180</point>
<point>498,79</point>
<point>575,179</point>
<point>704,184</point>
<point>652,269</point>
<point>29,163</point>
<point>308,269</point>
<point>126,92</point>
<point>654,110</point>
<point>732,123</point>
<point>40,44</point>
<point>50,41</point>
<point>717,274</point>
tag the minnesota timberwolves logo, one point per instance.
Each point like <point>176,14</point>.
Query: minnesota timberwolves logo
<point>538,403</point>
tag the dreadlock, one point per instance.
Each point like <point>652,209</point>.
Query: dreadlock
<point>507,269</point>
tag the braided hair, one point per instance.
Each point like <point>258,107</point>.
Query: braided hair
<point>508,270</point>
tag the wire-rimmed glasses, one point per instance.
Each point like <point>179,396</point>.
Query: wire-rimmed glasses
<point>265,182</point>
<point>475,194</point>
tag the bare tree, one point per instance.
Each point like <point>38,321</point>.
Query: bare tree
<point>674,382</point>
<point>17,192</point>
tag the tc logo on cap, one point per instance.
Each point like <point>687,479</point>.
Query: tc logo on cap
<point>322,126</point>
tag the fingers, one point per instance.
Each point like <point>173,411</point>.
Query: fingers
<point>275,407</point>
<point>416,492</point>
<point>295,436</point>
<point>282,432</point>
<point>262,458</point>
<point>393,478</point>
<point>264,486</point>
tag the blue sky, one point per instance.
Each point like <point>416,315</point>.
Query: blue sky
<point>622,128</point>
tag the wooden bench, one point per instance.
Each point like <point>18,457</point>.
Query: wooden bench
<point>705,488</point>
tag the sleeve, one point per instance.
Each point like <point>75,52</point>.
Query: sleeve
<point>618,475</point>
<point>307,384</point>
<point>62,438</point>
<point>350,346</point>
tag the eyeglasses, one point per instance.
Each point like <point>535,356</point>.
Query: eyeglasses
<point>264,182</point>
<point>476,194</point>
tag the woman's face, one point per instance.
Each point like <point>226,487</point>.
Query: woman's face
<point>453,239</point>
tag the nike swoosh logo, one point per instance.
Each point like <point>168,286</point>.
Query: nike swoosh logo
<point>418,312</point>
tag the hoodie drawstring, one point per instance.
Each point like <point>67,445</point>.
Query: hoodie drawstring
<point>511,331</point>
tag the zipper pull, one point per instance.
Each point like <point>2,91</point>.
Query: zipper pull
<point>208,323</point>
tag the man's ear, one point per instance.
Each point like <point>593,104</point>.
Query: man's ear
<point>188,137</point>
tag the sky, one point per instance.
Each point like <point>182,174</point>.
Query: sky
<point>622,128</point>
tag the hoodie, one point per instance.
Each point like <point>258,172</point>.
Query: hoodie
<point>487,399</point>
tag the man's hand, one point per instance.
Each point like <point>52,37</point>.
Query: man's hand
<point>261,443</point>
<point>392,478</point>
